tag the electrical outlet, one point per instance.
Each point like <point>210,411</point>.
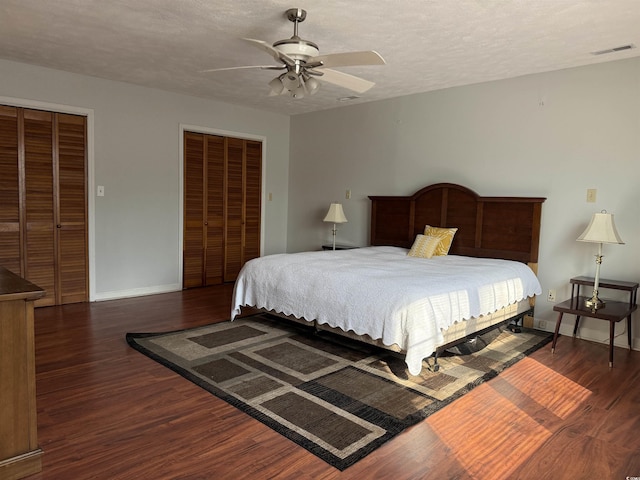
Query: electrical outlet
<point>542,325</point>
<point>591,195</point>
<point>551,296</point>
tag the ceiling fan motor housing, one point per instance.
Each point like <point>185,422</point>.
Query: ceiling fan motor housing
<point>297,48</point>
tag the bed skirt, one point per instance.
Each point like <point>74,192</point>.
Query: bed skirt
<point>456,333</point>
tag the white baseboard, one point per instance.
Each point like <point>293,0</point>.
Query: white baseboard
<point>136,292</point>
<point>597,335</point>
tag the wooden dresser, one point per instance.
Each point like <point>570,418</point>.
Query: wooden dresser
<point>20,455</point>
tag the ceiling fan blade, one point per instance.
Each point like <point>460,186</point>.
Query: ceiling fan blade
<point>348,59</point>
<point>357,84</point>
<point>274,52</point>
<point>263,67</point>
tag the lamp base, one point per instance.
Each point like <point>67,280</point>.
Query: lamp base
<point>334,235</point>
<point>594,303</point>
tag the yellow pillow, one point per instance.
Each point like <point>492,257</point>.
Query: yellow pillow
<point>424,246</point>
<point>444,234</point>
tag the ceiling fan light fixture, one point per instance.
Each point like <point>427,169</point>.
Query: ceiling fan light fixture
<point>299,92</point>
<point>312,85</point>
<point>277,88</point>
<point>291,80</point>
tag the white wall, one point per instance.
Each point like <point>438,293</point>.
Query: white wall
<point>135,227</point>
<point>550,135</point>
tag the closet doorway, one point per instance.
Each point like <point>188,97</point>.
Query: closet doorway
<point>222,207</point>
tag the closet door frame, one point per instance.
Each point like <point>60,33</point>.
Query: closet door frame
<point>222,133</point>
<point>90,155</point>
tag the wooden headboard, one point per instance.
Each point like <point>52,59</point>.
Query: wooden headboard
<point>496,227</point>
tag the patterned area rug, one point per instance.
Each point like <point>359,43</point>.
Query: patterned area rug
<point>339,399</point>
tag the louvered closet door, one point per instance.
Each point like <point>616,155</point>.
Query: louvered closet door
<point>214,222</point>
<point>203,251</point>
<point>43,198</point>
<point>72,207</point>
<point>252,200</point>
<point>9,191</point>
<point>193,233</point>
<point>222,202</point>
<point>234,210</point>
<point>40,248</point>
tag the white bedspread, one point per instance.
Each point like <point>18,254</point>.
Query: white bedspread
<point>382,292</point>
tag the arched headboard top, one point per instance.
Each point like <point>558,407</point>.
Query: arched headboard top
<point>496,227</point>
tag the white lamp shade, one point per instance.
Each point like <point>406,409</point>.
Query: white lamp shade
<point>291,81</point>
<point>601,229</point>
<point>335,214</point>
<point>277,88</point>
<point>298,92</point>
<point>312,85</point>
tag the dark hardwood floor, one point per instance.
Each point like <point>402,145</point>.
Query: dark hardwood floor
<point>106,411</point>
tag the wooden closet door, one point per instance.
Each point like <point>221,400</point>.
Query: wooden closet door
<point>71,221</point>
<point>193,213</point>
<point>43,198</point>
<point>252,200</point>
<point>203,241</point>
<point>214,221</point>
<point>10,238</point>
<point>233,235</point>
<point>39,253</point>
<point>222,206</point>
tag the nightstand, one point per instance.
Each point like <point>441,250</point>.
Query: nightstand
<point>613,311</point>
<point>338,247</point>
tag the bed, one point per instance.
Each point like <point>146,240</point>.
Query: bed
<point>418,305</point>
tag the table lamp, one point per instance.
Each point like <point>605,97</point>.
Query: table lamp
<point>335,215</point>
<point>601,229</point>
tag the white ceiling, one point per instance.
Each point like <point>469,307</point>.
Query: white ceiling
<point>427,44</point>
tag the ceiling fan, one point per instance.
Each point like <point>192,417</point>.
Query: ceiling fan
<point>302,63</point>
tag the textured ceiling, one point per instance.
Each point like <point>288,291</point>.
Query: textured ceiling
<point>427,44</point>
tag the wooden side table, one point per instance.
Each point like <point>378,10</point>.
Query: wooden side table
<point>338,247</point>
<point>613,311</point>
